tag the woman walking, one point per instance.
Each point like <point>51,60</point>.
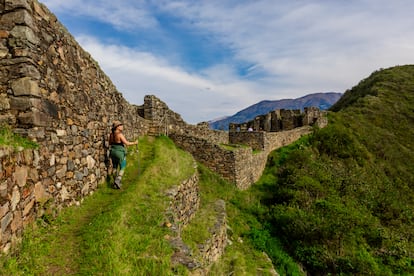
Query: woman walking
<point>118,144</point>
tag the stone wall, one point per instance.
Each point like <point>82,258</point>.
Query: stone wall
<point>17,201</point>
<point>268,141</point>
<point>283,119</point>
<point>167,122</point>
<point>236,163</point>
<point>253,139</point>
<point>54,93</point>
<point>214,247</point>
<point>185,202</point>
<point>211,155</point>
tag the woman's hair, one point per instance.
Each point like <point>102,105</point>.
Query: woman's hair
<point>116,124</point>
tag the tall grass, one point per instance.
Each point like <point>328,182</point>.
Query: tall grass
<point>113,232</point>
<point>122,232</point>
<point>342,203</point>
<point>242,256</point>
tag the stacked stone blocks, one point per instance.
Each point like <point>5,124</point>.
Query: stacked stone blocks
<point>54,93</point>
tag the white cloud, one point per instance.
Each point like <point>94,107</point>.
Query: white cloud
<point>194,96</point>
<point>120,14</point>
<point>298,47</point>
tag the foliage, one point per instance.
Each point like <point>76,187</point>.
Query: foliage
<point>8,138</point>
<point>242,256</point>
<point>342,202</point>
<point>113,232</point>
<point>122,232</point>
<point>339,201</point>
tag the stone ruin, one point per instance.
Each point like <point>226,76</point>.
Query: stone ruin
<point>282,120</point>
<point>54,93</point>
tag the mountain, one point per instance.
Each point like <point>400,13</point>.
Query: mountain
<point>321,100</point>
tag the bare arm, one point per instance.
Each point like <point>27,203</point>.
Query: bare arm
<point>125,141</point>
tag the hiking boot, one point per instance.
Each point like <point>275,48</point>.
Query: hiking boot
<point>117,183</point>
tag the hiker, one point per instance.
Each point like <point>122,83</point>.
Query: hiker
<point>118,144</point>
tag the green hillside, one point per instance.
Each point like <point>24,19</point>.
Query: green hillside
<point>123,232</point>
<point>341,200</point>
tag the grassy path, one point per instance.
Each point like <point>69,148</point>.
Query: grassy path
<point>113,232</point>
<point>122,232</point>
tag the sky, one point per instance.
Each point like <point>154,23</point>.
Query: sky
<point>212,58</point>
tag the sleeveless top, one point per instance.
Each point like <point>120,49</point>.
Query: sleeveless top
<point>112,135</point>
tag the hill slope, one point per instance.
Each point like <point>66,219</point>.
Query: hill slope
<point>321,100</point>
<point>123,232</point>
<point>342,199</point>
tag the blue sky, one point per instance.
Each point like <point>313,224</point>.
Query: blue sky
<point>208,59</point>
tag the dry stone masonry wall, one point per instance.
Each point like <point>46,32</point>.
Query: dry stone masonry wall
<point>185,202</point>
<point>167,122</point>
<point>17,202</point>
<point>240,161</point>
<point>54,93</point>
<point>283,119</point>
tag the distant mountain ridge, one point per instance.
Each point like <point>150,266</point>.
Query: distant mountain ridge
<point>322,100</point>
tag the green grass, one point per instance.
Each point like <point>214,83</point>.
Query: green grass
<point>232,147</point>
<point>341,200</point>
<point>113,232</point>
<point>15,141</point>
<point>122,232</point>
<point>242,256</point>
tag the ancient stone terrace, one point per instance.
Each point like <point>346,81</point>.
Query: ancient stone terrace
<point>257,132</point>
<point>54,93</point>
<point>282,119</point>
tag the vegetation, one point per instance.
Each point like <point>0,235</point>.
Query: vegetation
<point>341,200</point>
<point>243,254</point>
<point>337,202</point>
<point>15,141</point>
<point>113,232</point>
<point>122,232</point>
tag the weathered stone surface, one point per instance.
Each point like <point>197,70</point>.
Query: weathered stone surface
<point>60,173</point>
<point>41,195</point>
<point>64,195</point>
<point>4,51</point>
<point>33,118</point>
<point>5,221</point>
<point>13,4</point>
<point>25,87</point>
<point>7,119</point>
<point>17,222</point>
<point>28,207</point>
<point>21,17</point>
<point>3,188</point>
<point>19,103</point>
<point>4,102</point>
<point>4,209</point>
<point>15,198</point>
<point>20,175</point>
<point>23,34</point>
<point>4,34</point>
<point>91,162</point>
<point>85,189</point>
<point>60,132</point>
